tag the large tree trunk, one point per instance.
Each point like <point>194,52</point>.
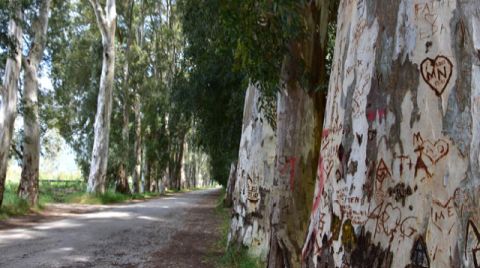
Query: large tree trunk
<point>255,173</point>
<point>299,123</point>
<point>138,145</point>
<point>106,20</point>
<point>28,187</point>
<point>8,94</point>
<point>397,182</point>
<point>122,183</point>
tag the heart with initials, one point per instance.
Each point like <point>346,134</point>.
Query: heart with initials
<point>437,73</point>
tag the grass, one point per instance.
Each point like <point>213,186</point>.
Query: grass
<point>234,256</point>
<point>109,197</point>
<point>12,204</point>
<point>61,192</point>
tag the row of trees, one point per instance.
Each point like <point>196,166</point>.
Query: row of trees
<point>129,114</point>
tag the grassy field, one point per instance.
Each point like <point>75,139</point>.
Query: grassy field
<point>234,256</point>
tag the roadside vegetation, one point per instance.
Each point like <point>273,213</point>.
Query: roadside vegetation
<point>62,191</point>
<point>233,256</point>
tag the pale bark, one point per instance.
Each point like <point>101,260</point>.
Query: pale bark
<point>8,95</point>
<point>106,21</point>
<point>299,123</point>
<point>397,182</point>
<point>122,184</point>
<point>28,188</point>
<point>250,224</point>
<point>138,145</point>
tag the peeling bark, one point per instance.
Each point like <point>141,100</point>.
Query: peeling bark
<point>8,95</point>
<point>28,187</point>
<point>299,122</point>
<point>106,21</point>
<point>251,201</point>
<point>397,181</point>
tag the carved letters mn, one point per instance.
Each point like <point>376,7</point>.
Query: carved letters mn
<point>437,73</point>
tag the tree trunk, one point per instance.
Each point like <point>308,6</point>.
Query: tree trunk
<point>106,20</point>
<point>251,199</point>
<point>299,122</point>
<point>179,162</point>
<point>397,182</point>
<point>28,187</point>
<point>122,184</point>
<point>8,94</point>
<point>148,174</point>
<point>138,145</point>
<point>232,178</point>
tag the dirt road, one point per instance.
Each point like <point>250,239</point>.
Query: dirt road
<point>174,231</point>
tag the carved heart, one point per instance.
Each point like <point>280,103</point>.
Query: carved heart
<point>391,219</point>
<point>328,165</point>
<point>435,151</point>
<point>437,73</point>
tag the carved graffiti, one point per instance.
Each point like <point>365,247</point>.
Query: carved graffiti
<point>437,73</point>
<point>382,172</point>
<point>419,254</point>
<point>435,151</point>
<point>389,220</point>
<point>475,244</point>
<point>441,213</point>
<point>252,190</point>
<point>400,192</point>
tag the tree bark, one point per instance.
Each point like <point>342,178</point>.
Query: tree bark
<point>179,162</point>
<point>106,21</point>
<point>299,122</point>
<point>28,187</point>
<point>138,145</point>
<point>8,94</point>
<point>122,184</point>
<point>148,175</point>
<point>250,224</point>
<point>232,178</point>
<point>397,182</point>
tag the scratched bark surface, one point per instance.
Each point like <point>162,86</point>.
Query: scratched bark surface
<point>251,202</point>
<point>398,177</point>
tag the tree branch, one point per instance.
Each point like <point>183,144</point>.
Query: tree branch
<point>99,14</point>
<point>16,151</point>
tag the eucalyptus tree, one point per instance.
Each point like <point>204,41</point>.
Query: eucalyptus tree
<point>397,182</point>
<point>106,21</point>
<point>8,90</point>
<point>28,188</point>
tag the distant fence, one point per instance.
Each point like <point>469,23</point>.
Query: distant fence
<point>62,183</point>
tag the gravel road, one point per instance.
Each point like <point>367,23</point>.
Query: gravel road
<point>178,230</point>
